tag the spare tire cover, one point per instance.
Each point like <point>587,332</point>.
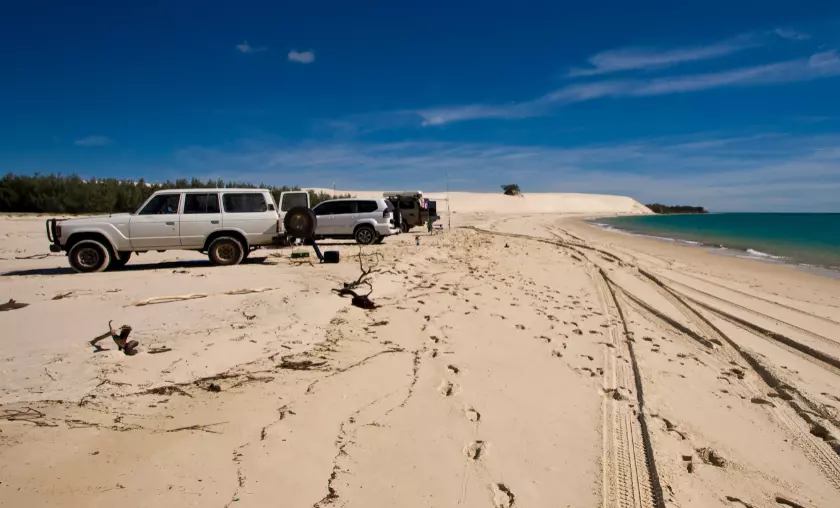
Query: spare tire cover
<point>300,222</point>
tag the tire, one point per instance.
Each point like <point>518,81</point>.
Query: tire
<point>88,256</point>
<point>404,227</point>
<point>116,264</point>
<point>300,222</point>
<point>226,251</point>
<point>365,235</point>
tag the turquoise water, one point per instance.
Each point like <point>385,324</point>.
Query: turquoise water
<point>796,238</point>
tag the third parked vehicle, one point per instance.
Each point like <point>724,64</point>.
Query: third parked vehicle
<point>365,220</point>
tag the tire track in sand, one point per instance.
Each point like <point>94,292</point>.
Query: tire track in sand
<point>629,475</point>
<point>807,432</point>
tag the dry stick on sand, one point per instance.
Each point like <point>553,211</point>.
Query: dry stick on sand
<point>12,305</point>
<point>193,296</point>
<point>202,428</point>
<point>33,256</point>
<point>362,301</point>
<point>28,415</point>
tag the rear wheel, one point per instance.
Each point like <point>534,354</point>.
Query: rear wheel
<point>404,227</point>
<point>116,264</point>
<point>365,235</point>
<point>226,251</point>
<point>87,256</point>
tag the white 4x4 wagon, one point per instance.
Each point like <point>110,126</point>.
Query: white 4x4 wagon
<point>227,224</point>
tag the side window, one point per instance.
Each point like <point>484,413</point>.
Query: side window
<point>325,208</point>
<point>344,207</point>
<point>244,202</point>
<point>201,203</point>
<point>367,206</point>
<point>162,204</point>
<point>406,205</point>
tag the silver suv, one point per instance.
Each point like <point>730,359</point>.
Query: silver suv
<point>365,220</point>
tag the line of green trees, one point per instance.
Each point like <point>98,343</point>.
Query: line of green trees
<point>666,209</point>
<point>73,195</point>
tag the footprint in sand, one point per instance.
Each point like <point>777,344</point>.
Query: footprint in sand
<point>453,369</point>
<point>472,415</point>
<point>502,496</point>
<point>474,450</point>
<point>759,400</point>
<point>733,499</point>
<point>446,388</point>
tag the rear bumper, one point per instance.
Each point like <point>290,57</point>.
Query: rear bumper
<point>386,230</point>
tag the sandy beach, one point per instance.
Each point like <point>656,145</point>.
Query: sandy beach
<point>520,359</point>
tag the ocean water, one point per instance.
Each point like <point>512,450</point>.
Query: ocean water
<point>809,239</point>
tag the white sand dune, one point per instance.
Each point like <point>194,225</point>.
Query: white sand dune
<point>478,202</point>
<point>534,361</point>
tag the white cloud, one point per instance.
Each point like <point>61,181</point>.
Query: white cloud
<point>93,141</point>
<point>818,65</point>
<point>793,35</point>
<point>303,57</point>
<point>627,59</point>
<point>759,172</point>
<point>246,48</point>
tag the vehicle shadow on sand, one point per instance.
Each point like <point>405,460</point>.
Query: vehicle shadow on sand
<point>132,267</point>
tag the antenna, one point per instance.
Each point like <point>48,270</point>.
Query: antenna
<point>448,213</point>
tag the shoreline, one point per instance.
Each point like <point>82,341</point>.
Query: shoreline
<point>720,250</point>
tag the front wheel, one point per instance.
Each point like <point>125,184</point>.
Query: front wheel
<point>365,235</point>
<point>116,264</point>
<point>226,251</point>
<point>88,256</point>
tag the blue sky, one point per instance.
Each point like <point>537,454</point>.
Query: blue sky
<point>715,103</point>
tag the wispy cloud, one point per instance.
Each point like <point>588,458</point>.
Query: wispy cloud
<point>764,171</point>
<point>244,47</point>
<point>627,59</point>
<point>793,35</point>
<point>93,141</point>
<point>304,57</point>
<point>818,65</point>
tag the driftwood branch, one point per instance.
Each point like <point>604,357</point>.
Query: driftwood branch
<point>349,288</point>
<point>12,305</point>
<point>28,415</point>
<point>202,428</point>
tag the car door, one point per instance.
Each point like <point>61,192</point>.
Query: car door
<point>156,225</point>
<point>409,210</point>
<point>324,215</point>
<point>344,217</point>
<point>201,216</point>
<point>250,213</point>
<point>292,199</point>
